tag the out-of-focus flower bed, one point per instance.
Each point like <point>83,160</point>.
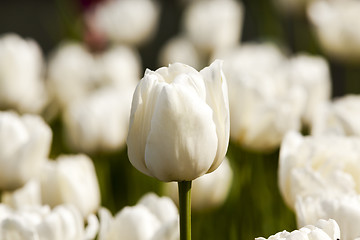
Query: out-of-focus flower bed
<point>68,71</point>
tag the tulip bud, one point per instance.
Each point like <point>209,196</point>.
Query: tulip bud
<point>318,165</point>
<point>100,122</point>
<point>312,73</point>
<point>179,122</point>
<point>130,22</point>
<point>62,223</point>
<point>75,73</point>
<point>339,117</point>
<point>341,40</point>
<point>150,218</point>
<point>214,25</point>
<point>270,105</point>
<point>24,143</point>
<point>72,180</point>
<point>21,75</point>
<point>27,196</point>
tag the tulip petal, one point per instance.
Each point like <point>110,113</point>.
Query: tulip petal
<point>182,141</point>
<point>143,104</point>
<point>219,102</point>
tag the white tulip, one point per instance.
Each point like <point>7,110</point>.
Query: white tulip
<point>315,166</point>
<point>119,67</point>
<point>208,191</point>
<point>323,230</point>
<point>162,207</point>
<point>312,73</point>
<point>130,22</point>
<point>75,73</point>
<point>70,73</point>
<point>339,117</point>
<point>180,49</point>
<point>25,144</point>
<point>335,24</point>
<point>22,85</point>
<point>179,122</point>
<point>62,223</point>
<point>71,179</point>
<point>151,217</point>
<point>135,223</point>
<point>27,196</point>
<point>214,25</point>
<point>97,98</point>
<point>345,210</point>
<point>264,103</point>
<point>168,231</point>
<point>100,122</point>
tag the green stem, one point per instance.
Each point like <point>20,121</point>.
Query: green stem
<point>185,209</point>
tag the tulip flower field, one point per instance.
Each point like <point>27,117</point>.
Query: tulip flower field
<point>179,120</point>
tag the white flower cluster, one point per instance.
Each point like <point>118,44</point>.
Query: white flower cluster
<point>94,92</point>
<point>319,179</point>
<point>270,94</point>
<point>31,183</point>
<point>58,199</point>
<point>152,218</point>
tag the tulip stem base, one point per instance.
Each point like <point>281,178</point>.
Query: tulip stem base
<point>185,209</point>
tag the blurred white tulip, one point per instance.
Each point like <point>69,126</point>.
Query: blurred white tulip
<point>22,84</point>
<point>71,73</point>
<point>151,217</point>
<point>26,197</point>
<point>181,49</point>
<point>208,191</point>
<point>95,92</point>
<point>264,103</point>
<point>312,73</point>
<point>71,179</point>
<point>130,22</point>
<point>344,209</point>
<point>339,117</point>
<point>75,73</point>
<point>133,223</point>
<point>318,166</point>
<point>179,123</point>
<point>214,25</point>
<point>100,122</point>
<point>321,230</point>
<point>162,207</point>
<point>25,144</point>
<point>118,67</point>
<point>62,223</point>
<point>336,26</point>
<point>168,231</point>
